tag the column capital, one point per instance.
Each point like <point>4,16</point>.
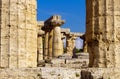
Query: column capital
<point>54,21</point>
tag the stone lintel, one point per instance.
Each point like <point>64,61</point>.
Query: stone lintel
<point>77,34</point>
<point>65,30</point>
<point>40,23</point>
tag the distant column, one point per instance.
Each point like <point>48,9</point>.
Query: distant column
<point>46,45</point>
<point>62,46</point>
<point>40,46</point>
<point>69,44</point>
<point>50,44</point>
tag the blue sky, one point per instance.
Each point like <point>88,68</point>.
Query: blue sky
<point>72,11</point>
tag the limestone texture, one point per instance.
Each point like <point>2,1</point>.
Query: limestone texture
<point>18,29</point>
<point>102,32</point>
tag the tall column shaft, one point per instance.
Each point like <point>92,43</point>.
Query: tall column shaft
<point>39,48</point>
<point>101,32</point>
<point>117,31</point>
<point>69,45</point>
<point>18,30</point>
<point>57,42</point>
<point>46,45</point>
<point>50,44</point>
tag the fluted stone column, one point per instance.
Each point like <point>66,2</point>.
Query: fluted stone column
<point>57,42</point>
<point>62,46</point>
<point>50,44</point>
<point>40,46</point>
<point>102,32</point>
<point>46,45</point>
<point>40,41</point>
<point>18,33</point>
<point>70,44</point>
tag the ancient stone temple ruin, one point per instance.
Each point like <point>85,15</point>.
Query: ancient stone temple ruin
<point>31,49</point>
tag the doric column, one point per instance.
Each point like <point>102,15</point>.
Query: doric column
<point>62,38</point>
<point>40,46</point>
<point>50,44</point>
<point>18,34</point>
<point>40,41</point>
<point>46,45</point>
<point>101,32</point>
<point>117,31</point>
<point>70,44</point>
<point>46,37</point>
<point>57,42</point>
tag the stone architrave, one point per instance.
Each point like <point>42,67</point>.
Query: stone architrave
<point>18,33</point>
<point>103,32</point>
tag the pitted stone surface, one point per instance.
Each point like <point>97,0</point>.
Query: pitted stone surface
<point>18,33</point>
<point>102,32</point>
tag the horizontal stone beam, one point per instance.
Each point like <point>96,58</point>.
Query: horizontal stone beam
<point>65,30</point>
<point>77,34</point>
<point>40,23</point>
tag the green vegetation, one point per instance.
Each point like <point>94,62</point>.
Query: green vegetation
<point>78,50</point>
<point>77,75</point>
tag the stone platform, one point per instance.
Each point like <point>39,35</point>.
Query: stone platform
<point>22,73</point>
<point>60,73</point>
<point>88,73</point>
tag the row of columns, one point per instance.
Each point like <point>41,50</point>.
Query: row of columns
<point>53,40</point>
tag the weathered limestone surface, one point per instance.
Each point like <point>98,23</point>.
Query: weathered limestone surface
<point>50,44</point>
<point>102,32</point>
<point>18,29</point>
<point>70,42</point>
<point>65,31</point>
<point>46,45</point>
<point>88,73</point>
<point>40,42</point>
<point>31,73</point>
<point>62,44</point>
<point>100,73</point>
<point>52,27</point>
<point>57,42</point>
